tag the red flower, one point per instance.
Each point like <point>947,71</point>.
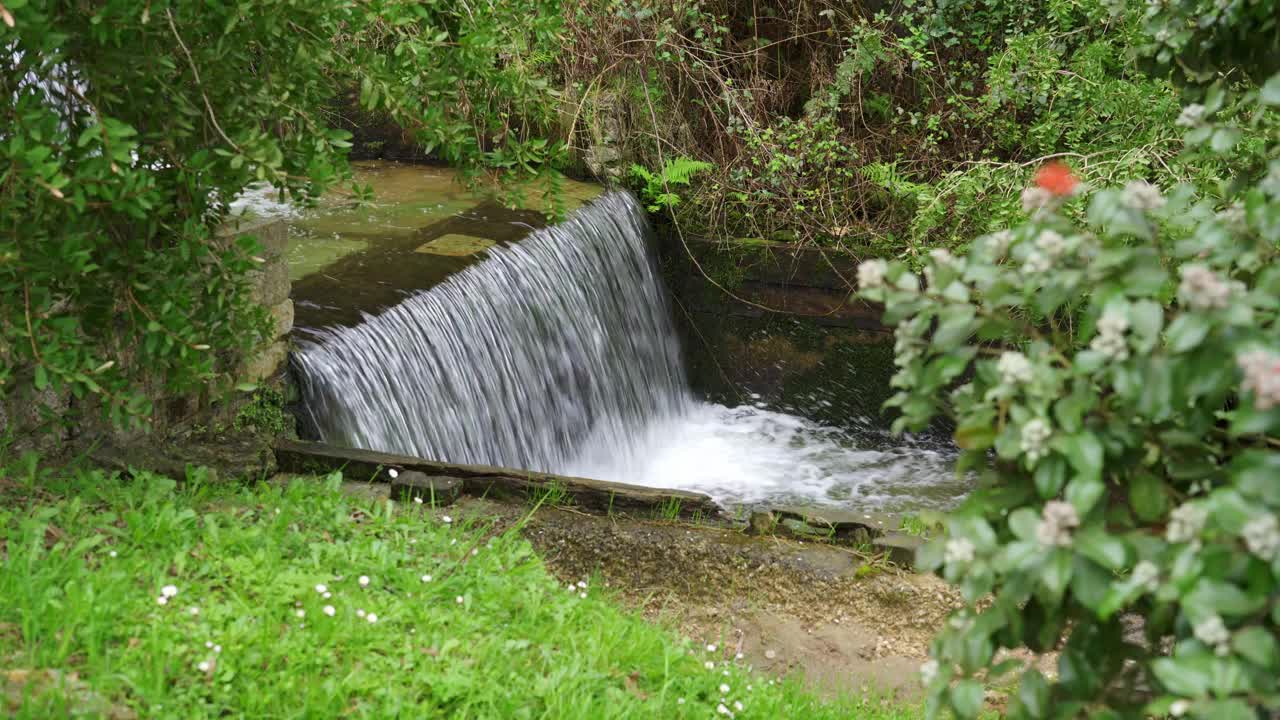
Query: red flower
<point>1056,178</point>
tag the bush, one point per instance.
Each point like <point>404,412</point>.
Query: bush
<point>1116,387</point>
<point>127,129</point>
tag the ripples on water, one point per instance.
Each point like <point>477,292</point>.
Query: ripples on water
<point>558,354</point>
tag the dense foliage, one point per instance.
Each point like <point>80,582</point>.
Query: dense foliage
<point>897,130</point>
<point>1112,365</point>
<point>128,127</point>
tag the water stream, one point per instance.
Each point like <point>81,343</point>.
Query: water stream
<point>557,353</point>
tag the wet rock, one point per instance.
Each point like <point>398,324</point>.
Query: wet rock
<point>901,547</point>
<point>761,523</point>
<point>413,486</point>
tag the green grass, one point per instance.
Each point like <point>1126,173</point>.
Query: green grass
<point>490,635</point>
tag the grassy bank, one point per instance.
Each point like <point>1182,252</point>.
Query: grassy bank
<point>123,597</point>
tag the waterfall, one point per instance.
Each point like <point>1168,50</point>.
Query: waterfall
<point>557,353</point>
<point>558,340</point>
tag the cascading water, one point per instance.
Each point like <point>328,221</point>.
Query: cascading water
<point>558,354</point>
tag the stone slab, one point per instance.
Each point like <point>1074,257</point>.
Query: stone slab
<point>412,486</point>
<point>456,245</point>
<point>900,546</point>
<point>596,495</point>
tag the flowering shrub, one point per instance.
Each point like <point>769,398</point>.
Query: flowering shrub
<point>1115,384</point>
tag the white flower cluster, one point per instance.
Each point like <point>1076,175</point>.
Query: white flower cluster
<point>1014,368</point>
<point>1262,537</point>
<point>1110,338</point>
<point>1038,201</point>
<point>1261,377</point>
<point>1142,195</point>
<point>1056,523</point>
<point>871,274</point>
<point>1051,243</point>
<point>1146,576</point>
<point>998,243</point>
<point>1213,632</point>
<point>1036,263</point>
<point>1192,116</point>
<point>1185,523</point>
<point>959,551</point>
<point>1035,438</point>
<point>1202,289</point>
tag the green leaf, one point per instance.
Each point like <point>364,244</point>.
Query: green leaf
<point>1271,90</point>
<point>1084,492</point>
<point>1050,476</point>
<point>1147,496</point>
<point>1257,646</point>
<point>1215,596</point>
<point>966,698</point>
<point>1033,693</point>
<point>1056,573</point>
<point>1107,550</point>
<point>955,325</point>
<point>1187,332</point>
<point>1187,676</point>
<point>1084,452</point>
<point>42,377</point>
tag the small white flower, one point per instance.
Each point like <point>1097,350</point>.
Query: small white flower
<point>739,656</point>
<point>394,473</point>
<point>680,701</point>
<point>112,553</point>
<point>203,666</point>
<point>371,617</point>
<point>1036,263</point>
<point>322,589</point>
<point>959,551</point>
<point>724,689</point>
<point>1192,116</point>
<point>1261,377</point>
<point>1146,576</point>
<point>364,581</point>
<point>1212,632</point>
<point>329,610</point>
<point>1179,708</point>
<point>169,591</point>
<point>582,595</point>
<point>193,610</point>
<point>446,519</point>
<point>1202,289</point>
<point>929,672</point>
<point>1035,437</point>
<point>1110,340</point>
<point>217,649</point>
<point>871,274</point>
<point>943,256</point>
<point>737,705</point>
<point>709,665</point>
<point>582,584</point>
<point>1014,368</point>
<point>1051,243</point>
<point>1185,523</point>
<point>458,599</point>
<point>426,578</point>
<point>453,541</point>
<point>300,613</point>
<point>359,612</point>
<point>1142,195</point>
<point>417,499</point>
<point>724,710</point>
<point>1056,523</point>
<point>1262,537</point>
<point>328,595</point>
<point>711,648</point>
<point>162,600</point>
<point>208,644</point>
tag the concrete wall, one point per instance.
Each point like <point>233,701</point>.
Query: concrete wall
<point>37,420</point>
<point>775,324</point>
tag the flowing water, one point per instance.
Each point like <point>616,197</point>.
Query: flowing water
<point>558,353</point>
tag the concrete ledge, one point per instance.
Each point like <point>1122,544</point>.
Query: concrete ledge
<point>598,495</point>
